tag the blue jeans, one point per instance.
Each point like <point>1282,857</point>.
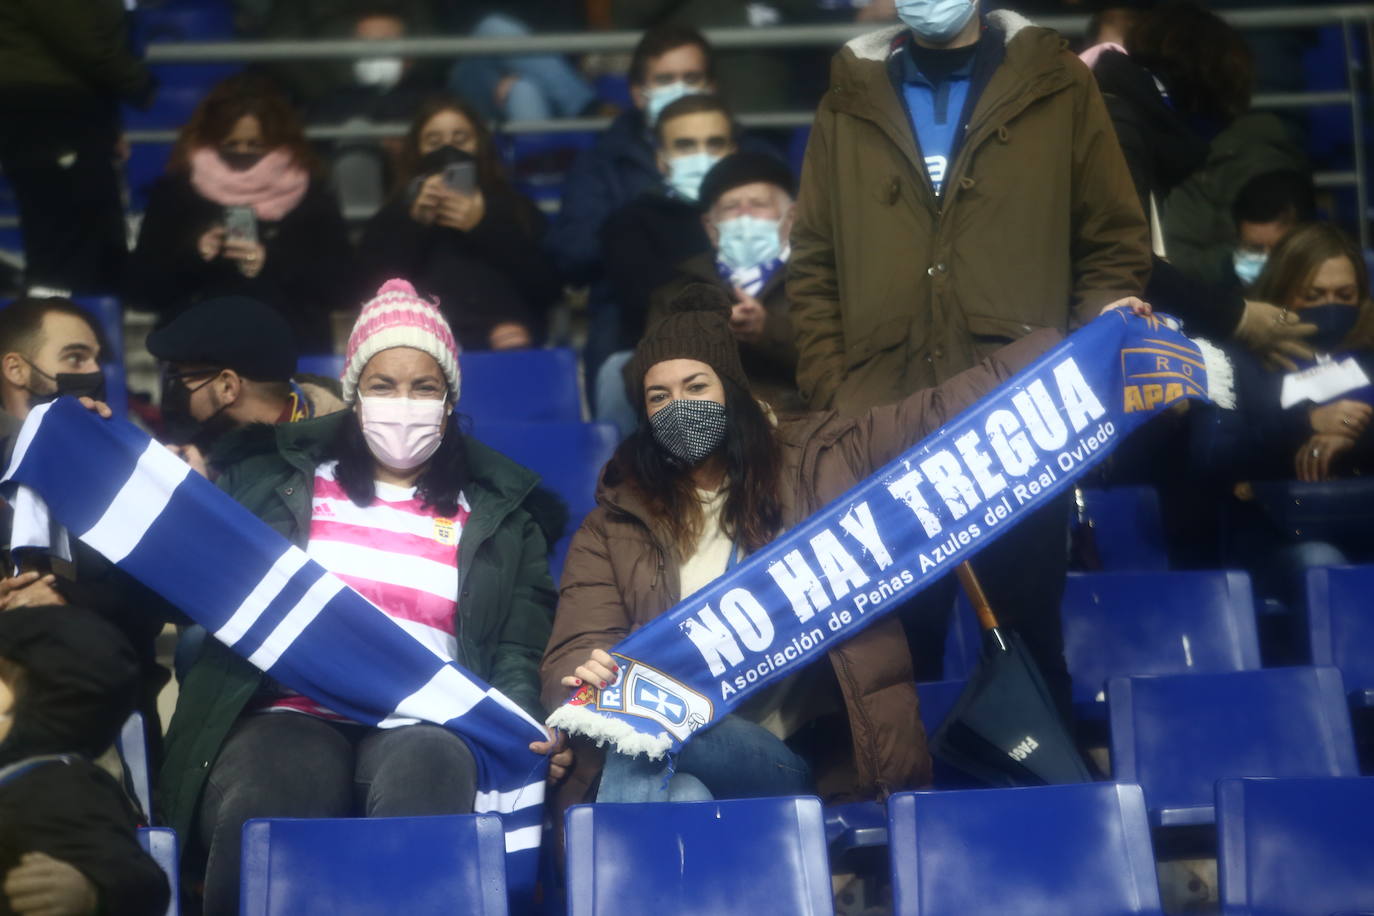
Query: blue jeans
<point>732,759</point>
<point>546,85</point>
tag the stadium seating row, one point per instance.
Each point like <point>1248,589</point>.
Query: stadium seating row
<point>1287,846</point>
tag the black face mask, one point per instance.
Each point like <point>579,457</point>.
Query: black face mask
<point>240,162</point>
<point>1333,321</point>
<point>180,427</point>
<point>74,384</point>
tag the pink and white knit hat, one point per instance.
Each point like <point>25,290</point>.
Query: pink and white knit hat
<point>398,317</point>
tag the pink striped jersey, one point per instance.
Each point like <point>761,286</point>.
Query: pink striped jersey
<point>397,553</point>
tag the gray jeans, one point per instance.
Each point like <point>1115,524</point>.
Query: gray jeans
<point>284,764</point>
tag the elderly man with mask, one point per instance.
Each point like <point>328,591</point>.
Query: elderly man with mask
<point>747,205</point>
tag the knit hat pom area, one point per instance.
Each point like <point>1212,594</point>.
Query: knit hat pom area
<point>697,326</point>
<point>398,316</point>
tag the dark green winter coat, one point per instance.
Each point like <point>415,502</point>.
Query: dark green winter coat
<point>506,596</point>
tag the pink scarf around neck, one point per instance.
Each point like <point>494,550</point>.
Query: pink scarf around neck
<point>272,188</point>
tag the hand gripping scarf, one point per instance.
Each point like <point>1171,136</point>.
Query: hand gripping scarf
<point>908,525</point>
<point>141,507</point>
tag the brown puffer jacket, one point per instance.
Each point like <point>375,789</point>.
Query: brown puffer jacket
<point>621,573</point>
<point>894,289</point>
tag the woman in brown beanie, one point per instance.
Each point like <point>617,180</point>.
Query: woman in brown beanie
<point>711,476</point>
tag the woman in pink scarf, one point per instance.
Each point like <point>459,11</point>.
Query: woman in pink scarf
<point>242,212</point>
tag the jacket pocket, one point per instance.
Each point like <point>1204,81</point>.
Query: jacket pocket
<point>991,329</point>
<point>886,335</point>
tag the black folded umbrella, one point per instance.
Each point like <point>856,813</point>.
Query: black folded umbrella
<point>1004,729</point>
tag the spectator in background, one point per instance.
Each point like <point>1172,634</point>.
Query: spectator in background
<point>648,237</point>
<point>459,231</point>
<point>518,87</point>
<point>1183,75</point>
<point>242,746</point>
<point>668,63</point>
<point>64,69</point>
<point>1267,208</point>
<point>241,212</point>
<point>1310,426</point>
<point>67,830</point>
<point>747,202</point>
<point>229,369</point>
<point>932,226</point>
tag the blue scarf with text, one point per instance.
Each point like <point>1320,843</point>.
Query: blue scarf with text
<point>908,525</point>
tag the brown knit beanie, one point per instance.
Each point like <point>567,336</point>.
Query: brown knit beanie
<point>697,326</point>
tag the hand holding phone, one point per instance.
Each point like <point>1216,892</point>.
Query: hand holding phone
<point>241,225</point>
<point>461,177</point>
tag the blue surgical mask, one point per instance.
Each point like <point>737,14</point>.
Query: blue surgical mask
<point>657,98</point>
<point>937,21</point>
<point>1248,265</point>
<point>686,172</point>
<point>1333,321</point>
<point>748,241</point>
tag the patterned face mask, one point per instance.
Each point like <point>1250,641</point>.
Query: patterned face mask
<point>689,430</point>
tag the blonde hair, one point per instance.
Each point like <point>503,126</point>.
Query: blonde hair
<point>1296,259</point>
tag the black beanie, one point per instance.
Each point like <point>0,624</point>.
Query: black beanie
<point>739,169</point>
<point>80,681</point>
<point>697,326</point>
<point>232,332</point>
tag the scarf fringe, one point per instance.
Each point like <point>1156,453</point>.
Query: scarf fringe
<point>1221,375</point>
<point>578,720</point>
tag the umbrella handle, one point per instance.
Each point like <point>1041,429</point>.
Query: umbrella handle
<point>974,589</point>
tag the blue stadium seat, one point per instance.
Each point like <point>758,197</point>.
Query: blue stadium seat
<point>161,844</point>
<point>132,746</point>
<point>1044,851</point>
<point>328,866</point>
<point>170,109</point>
<point>521,386</point>
<point>1119,624</point>
<point>568,457</point>
<point>860,824</point>
<point>1126,527</point>
<point>147,163</point>
<point>185,20</point>
<point>728,858</point>
<point>1340,620</point>
<point>329,365</point>
<point>1294,847</point>
<point>1176,735</point>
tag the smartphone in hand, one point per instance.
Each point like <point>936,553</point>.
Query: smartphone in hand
<point>461,177</point>
<point>241,225</point>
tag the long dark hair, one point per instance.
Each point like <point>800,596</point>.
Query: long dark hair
<point>752,514</point>
<point>1205,63</point>
<point>438,487</point>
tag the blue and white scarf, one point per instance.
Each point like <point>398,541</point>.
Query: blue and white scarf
<point>138,505</point>
<point>753,279</point>
<point>905,527</point>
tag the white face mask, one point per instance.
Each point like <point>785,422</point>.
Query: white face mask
<point>402,433</point>
<point>748,241</point>
<point>937,21</point>
<point>1249,265</point>
<point>686,172</point>
<point>657,98</point>
<point>378,72</point>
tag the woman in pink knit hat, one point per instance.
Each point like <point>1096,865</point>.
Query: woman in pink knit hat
<point>444,535</point>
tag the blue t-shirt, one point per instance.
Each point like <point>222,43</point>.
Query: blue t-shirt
<point>935,88</point>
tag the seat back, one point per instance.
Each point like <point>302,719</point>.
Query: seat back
<point>568,457</point>
<point>329,866</point>
<point>728,858</point>
<point>1126,528</point>
<point>1176,735</point>
<point>161,844</point>
<point>1340,621</point>
<point>1295,846</point>
<point>1119,624</point>
<point>1042,851</point>
<point>133,750</point>
<point>520,386</point>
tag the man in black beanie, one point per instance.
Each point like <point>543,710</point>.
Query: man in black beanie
<point>230,364</point>
<point>68,845</point>
<point>747,205</point>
